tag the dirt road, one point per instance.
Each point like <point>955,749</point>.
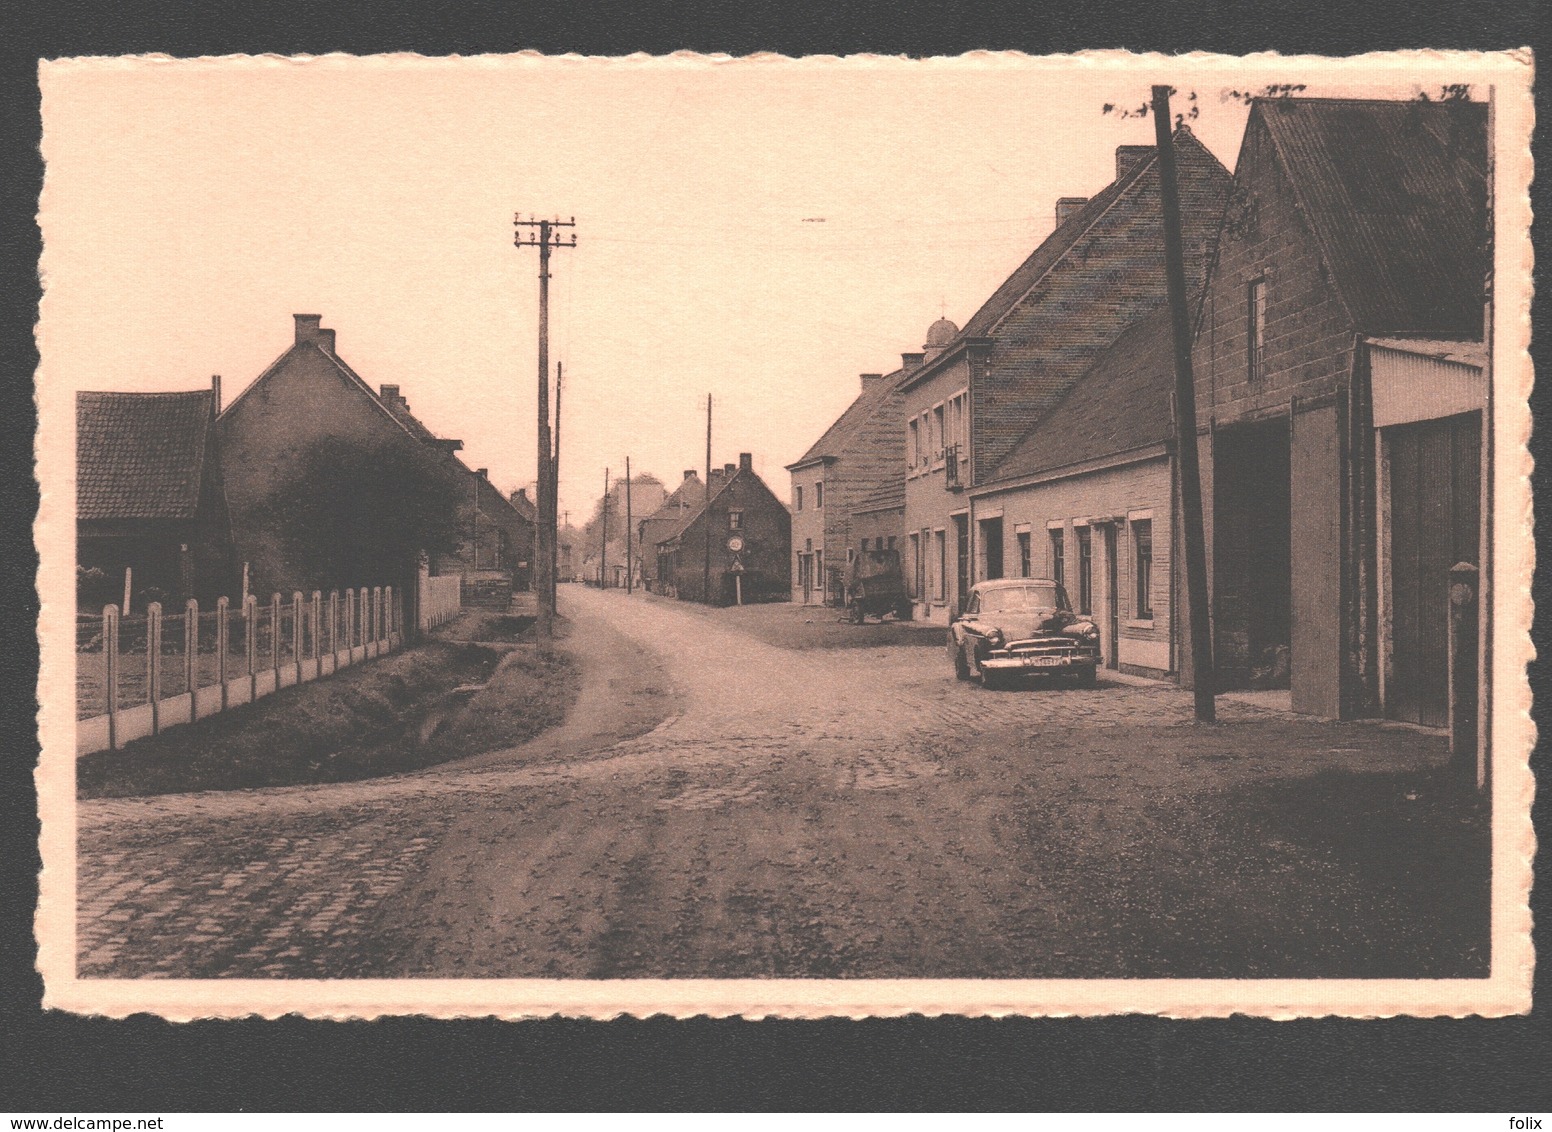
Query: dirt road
<point>718,806</point>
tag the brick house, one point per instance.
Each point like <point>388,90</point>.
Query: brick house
<point>857,452</point>
<point>1080,498</point>
<point>979,390</point>
<point>746,534</point>
<point>1339,395</point>
<point>670,515</point>
<point>309,396</point>
<point>150,497</point>
<point>497,543</point>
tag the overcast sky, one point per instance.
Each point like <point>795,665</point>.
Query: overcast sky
<point>760,230</point>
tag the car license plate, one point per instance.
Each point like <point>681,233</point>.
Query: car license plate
<point>1045,661</point>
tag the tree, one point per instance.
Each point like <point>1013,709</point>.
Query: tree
<point>356,514</point>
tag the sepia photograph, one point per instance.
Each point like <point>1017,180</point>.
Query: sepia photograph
<point>785,536</point>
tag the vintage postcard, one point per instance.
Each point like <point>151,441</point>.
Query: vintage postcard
<point>786,537</point>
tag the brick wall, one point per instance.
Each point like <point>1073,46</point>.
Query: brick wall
<point>1144,642</point>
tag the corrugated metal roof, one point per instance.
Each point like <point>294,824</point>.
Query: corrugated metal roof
<point>1396,193</point>
<point>1120,404</point>
<point>141,455</point>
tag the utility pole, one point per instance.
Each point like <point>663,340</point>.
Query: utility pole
<point>1202,675</point>
<point>706,509</point>
<point>541,234</point>
<point>630,561</point>
<point>555,504</point>
<point>603,543</point>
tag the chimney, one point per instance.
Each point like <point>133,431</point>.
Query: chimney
<point>388,394</point>
<point>1128,157</point>
<point>911,361</point>
<point>483,473</point>
<point>326,339</point>
<point>215,395</point>
<point>746,459</point>
<point>307,327</point>
<point>689,473</point>
<point>729,469</point>
<point>1067,207</point>
<point>869,380</point>
<point>520,495</point>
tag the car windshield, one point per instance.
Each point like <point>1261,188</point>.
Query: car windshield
<point>1034,598</point>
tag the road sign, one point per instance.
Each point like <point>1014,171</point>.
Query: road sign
<point>735,543</point>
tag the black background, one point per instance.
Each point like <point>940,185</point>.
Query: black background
<point>53,1062</point>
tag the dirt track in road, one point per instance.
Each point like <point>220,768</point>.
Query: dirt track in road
<point>718,806</point>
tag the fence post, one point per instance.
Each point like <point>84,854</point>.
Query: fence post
<point>296,632</point>
<point>191,655</point>
<point>251,616</point>
<point>315,615</point>
<point>110,650</point>
<point>388,616</point>
<point>274,637</point>
<point>334,628</point>
<point>223,642</point>
<point>154,664</point>
<point>1461,646</point>
<point>365,618</point>
<point>377,621</point>
<point>350,625</point>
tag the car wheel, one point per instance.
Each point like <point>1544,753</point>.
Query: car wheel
<point>961,665</point>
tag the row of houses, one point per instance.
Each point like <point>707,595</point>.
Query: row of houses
<point>1338,282</point>
<point>197,499</point>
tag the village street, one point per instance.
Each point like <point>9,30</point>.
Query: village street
<point>718,805</point>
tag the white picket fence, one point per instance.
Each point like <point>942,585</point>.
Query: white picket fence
<point>214,660</point>
<point>440,599</point>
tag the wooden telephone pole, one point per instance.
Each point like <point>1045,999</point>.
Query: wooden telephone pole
<point>706,509</point>
<point>541,234</point>
<point>630,561</point>
<point>603,543</point>
<point>1186,459</point>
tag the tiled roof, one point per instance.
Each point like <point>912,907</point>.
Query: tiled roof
<point>141,455</point>
<point>840,435</point>
<point>1120,404</point>
<point>696,503</point>
<point>886,497</point>
<point>1396,194</point>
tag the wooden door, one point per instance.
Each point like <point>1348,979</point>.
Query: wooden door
<point>1435,514</point>
<point>1112,600</point>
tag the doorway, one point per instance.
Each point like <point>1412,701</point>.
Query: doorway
<point>1112,600</point>
<point>1252,556</point>
<point>961,560</point>
<point>1435,501</point>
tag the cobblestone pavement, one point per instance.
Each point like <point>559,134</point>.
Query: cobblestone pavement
<point>821,812</point>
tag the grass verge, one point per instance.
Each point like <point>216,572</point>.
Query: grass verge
<point>396,714</point>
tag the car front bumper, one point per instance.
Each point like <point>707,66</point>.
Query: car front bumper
<point>1038,663</point>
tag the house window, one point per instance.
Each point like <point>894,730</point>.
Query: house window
<point>1085,570</point>
<point>939,436</point>
<point>916,565</point>
<point>1059,556</point>
<point>1256,330</point>
<point>891,544</point>
<point>1024,563</point>
<point>940,543</point>
<point>735,520</point>
<point>797,498</point>
<point>819,496</point>
<point>864,546</point>
<point>914,447</point>
<point>1142,553</point>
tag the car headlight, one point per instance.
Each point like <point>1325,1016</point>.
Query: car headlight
<point>996,639</point>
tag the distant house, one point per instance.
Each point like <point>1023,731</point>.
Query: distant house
<point>656,526</point>
<point>1087,496</point>
<point>307,398</point>
<point>150,497</point>
<point>1340,386</point>
<point>981,389</point>
<point>741,540</point>
<point>863,447</point>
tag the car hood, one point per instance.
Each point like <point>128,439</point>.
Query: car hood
<point>1019,626</point>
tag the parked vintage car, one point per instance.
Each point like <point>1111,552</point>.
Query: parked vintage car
<point>875,586</point>
<point>1017,627</point>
